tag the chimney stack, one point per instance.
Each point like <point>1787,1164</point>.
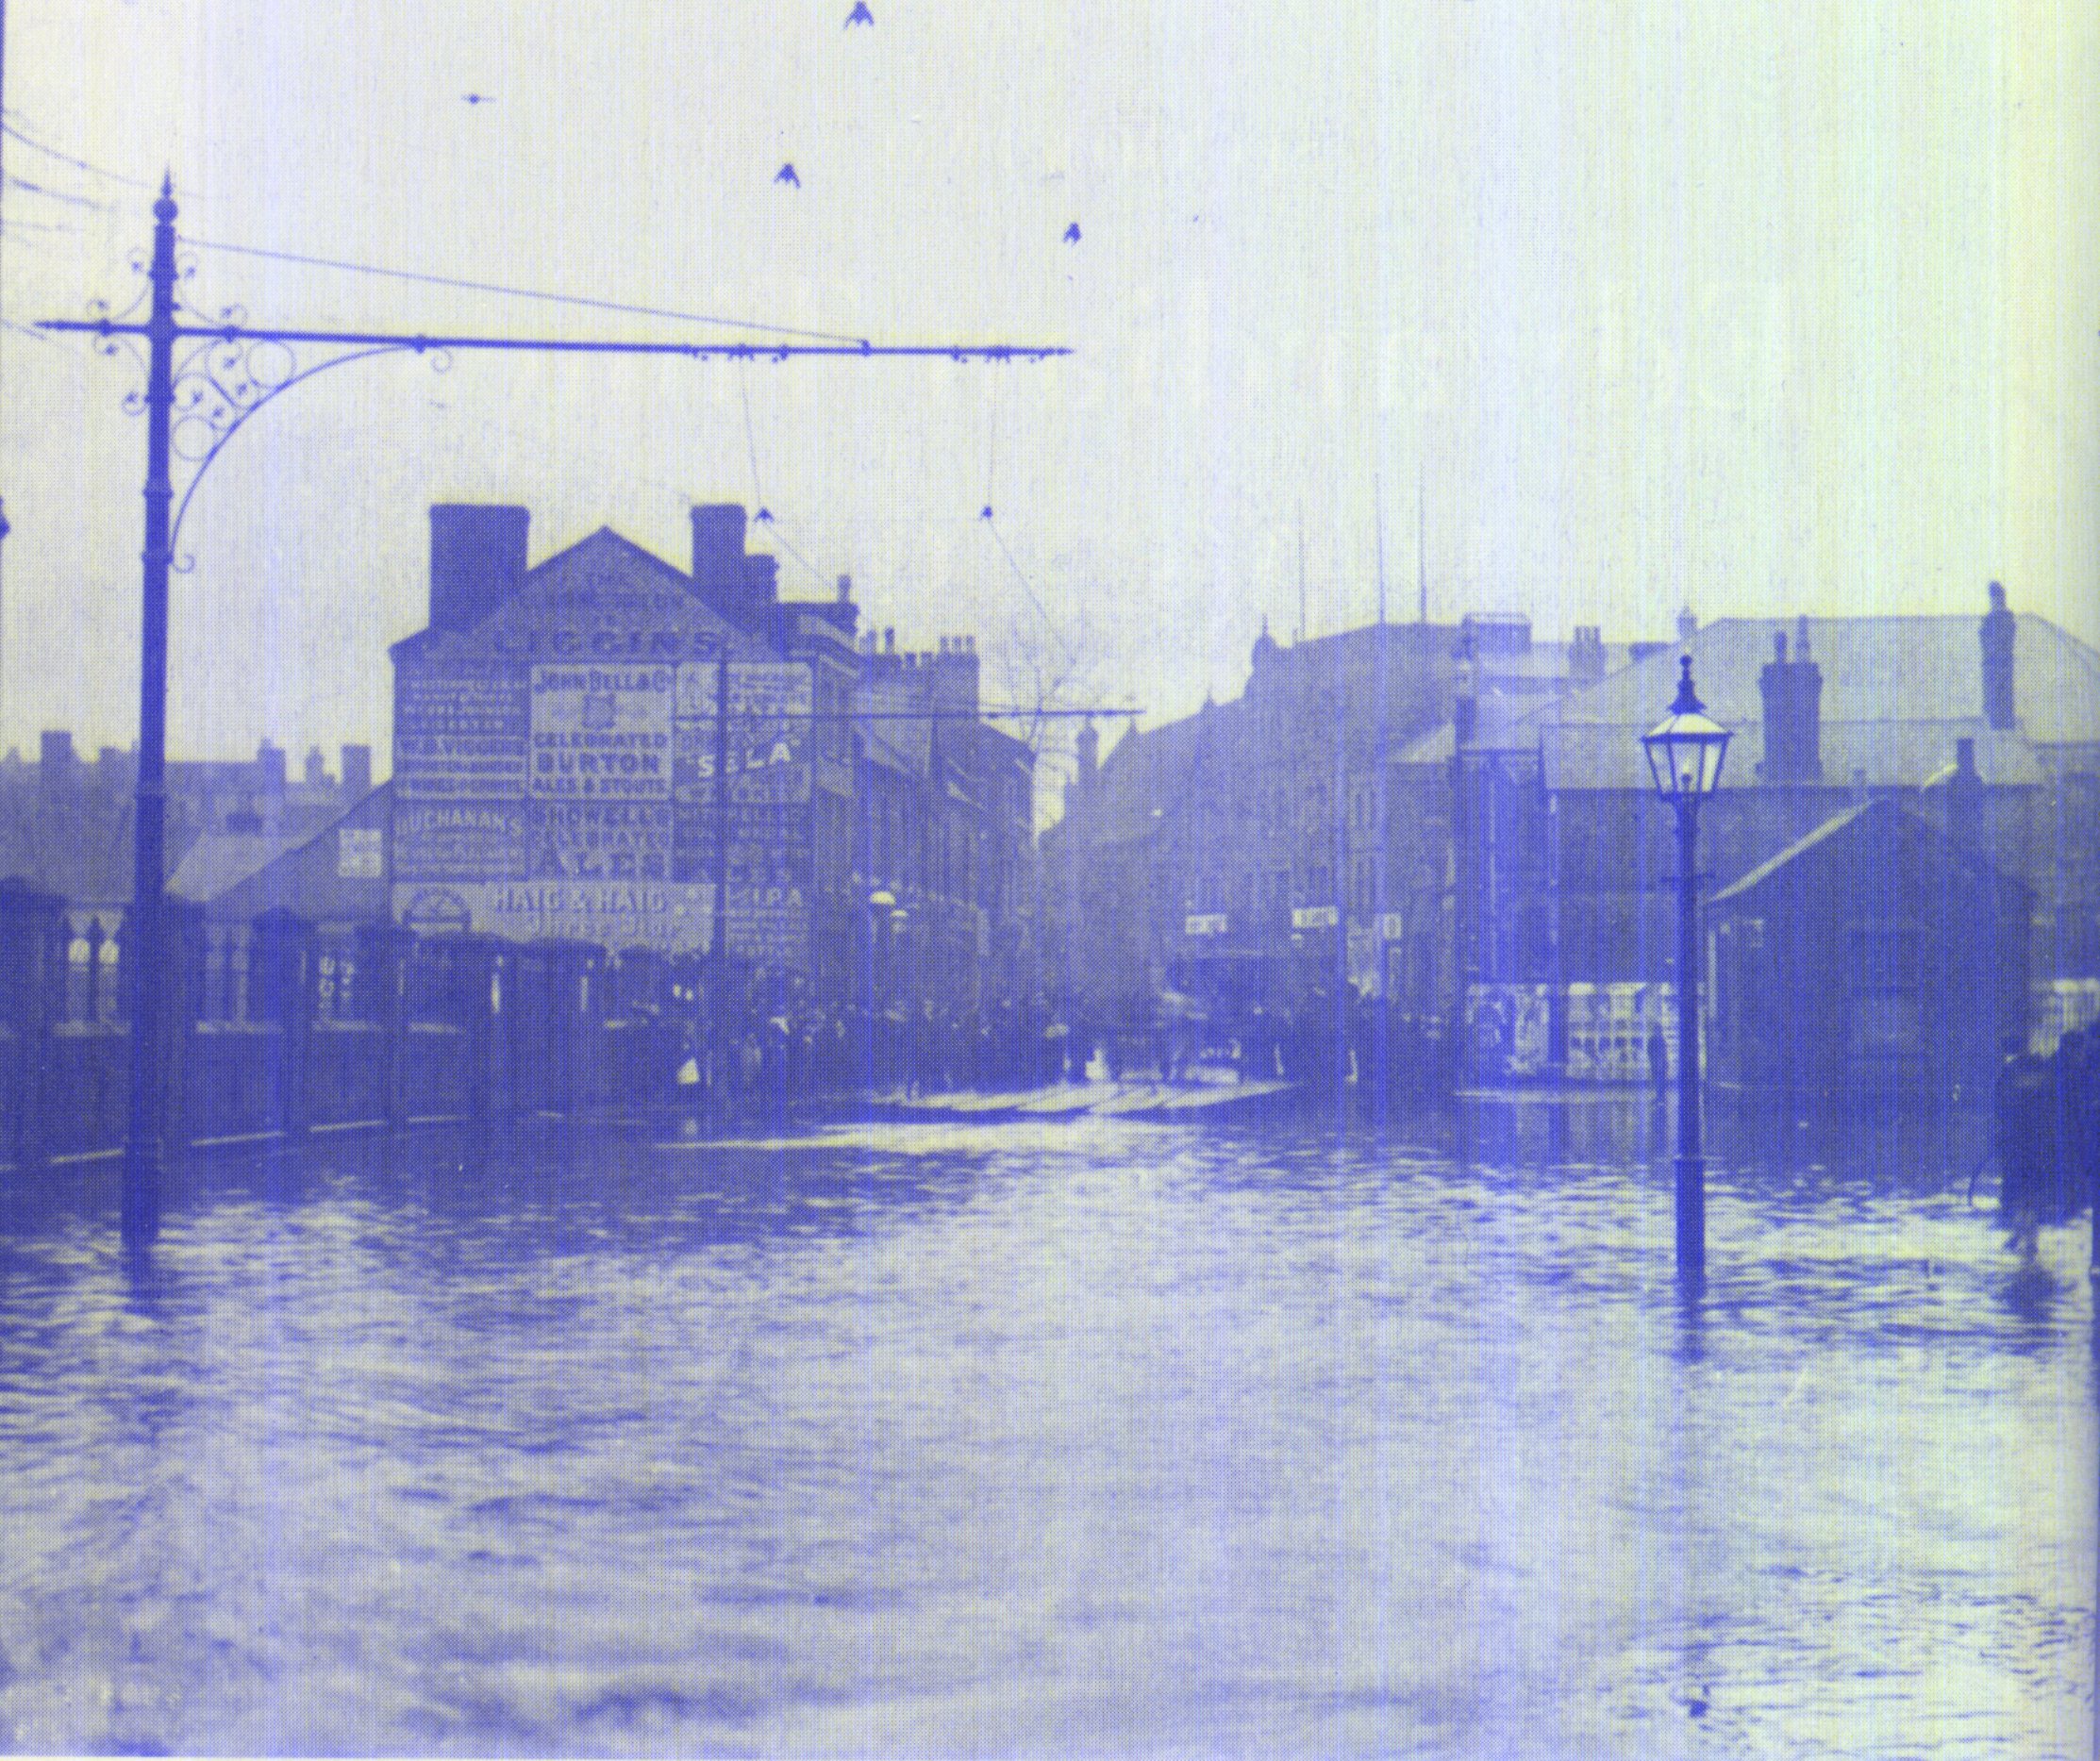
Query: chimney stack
<point>1996,635</point>
<point>1792,692</point>
<point>1586,653</point>
<point>739,583</point>
<point>356,773</point>
<point>477,558</point>
<point>1688,624</point>
<point>1086,752</point>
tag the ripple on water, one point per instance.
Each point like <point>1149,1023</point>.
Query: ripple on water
<point>1094,1434</point>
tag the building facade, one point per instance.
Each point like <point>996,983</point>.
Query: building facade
<point>602,748</point>
<point>1296,838</point>
<point>1565,860</point>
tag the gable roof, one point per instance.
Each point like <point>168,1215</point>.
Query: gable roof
<point>1875,670</point>
<point>1884,816</point>
<point>601,579</point>
<point>220,861</point>
<point>1897,693</point>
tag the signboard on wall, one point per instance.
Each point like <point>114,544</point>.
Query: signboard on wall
<point>360,852</point>
<point>610,913</point>
<point>458,839</point>
<point>1314,917</point>
<point>769,732</point>
<point>1203,924</point>
<point>601,733</point>
<point>460,736</point>
<point>768,925</point>
<point>601,840</point>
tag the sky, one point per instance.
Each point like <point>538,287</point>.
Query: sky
<point>1587,310</point>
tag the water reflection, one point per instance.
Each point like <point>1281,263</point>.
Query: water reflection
<point>1291,1436</point>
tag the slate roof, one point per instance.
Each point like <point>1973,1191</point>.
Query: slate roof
<point>1897,693</point>
<point>1900,822</point>
<point>1875,670</point>
<point>220,861</point>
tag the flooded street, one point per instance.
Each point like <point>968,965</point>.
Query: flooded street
<point>1073,1438</point>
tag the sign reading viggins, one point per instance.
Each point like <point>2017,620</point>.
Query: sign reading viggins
<point>577,800</point>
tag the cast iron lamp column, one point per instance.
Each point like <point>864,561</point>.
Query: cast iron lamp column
<point>1685,750</point>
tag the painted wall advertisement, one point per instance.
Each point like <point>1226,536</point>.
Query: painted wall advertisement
<point>458,839</point>
<point>459,736</point>
<point>769,732</point>
<point>601,840</point>
<point>601,733</point>
<point>767,924</point>
<point>577,803</point>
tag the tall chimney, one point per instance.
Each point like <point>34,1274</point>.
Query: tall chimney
<point>356,773</point>
<point>1087,753</point>
<point>718,545</point>
<point>1996,634</point>
<point>1792,692</point>
<point>1688,624</point>
<point>477,558</point>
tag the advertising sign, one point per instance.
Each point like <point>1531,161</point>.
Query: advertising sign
<point>768,925</point>
<point>601,733</point>
<point>601,840</point>
<point>460,736</point>
<point>1609,1026</point>
<point>360,853</point>
<point>1314,917</point>
<point>458,839</point>
<point>769,731</point>
<point>769,845</point>
<point>612,913</point>
<point>1203,924</point>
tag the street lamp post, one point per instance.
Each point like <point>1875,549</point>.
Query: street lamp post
<point>1685,751</point>
<point>212,377</point>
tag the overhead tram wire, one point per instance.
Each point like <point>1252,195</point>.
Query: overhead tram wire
<point>351,267</point>
<point>14,132</point>
<point>765,516</point>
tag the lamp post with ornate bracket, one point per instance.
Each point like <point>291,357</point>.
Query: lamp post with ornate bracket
<point>231,371</point>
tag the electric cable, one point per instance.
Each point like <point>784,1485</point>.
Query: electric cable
<point>14,132</point>
<point>353,267</point>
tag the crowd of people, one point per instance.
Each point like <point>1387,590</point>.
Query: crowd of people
<point>777,1049</point>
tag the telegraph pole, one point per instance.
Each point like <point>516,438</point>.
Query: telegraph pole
<point>224,392</point>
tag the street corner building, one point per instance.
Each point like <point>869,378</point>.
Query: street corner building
<point>605,750</point>
<point>1902,859</point>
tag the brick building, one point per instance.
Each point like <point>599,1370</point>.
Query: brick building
<point>559,745</point>
<point>1565,859</point>
<point>1298,835</point>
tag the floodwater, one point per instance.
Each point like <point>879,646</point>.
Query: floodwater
<point>1284,1436</point>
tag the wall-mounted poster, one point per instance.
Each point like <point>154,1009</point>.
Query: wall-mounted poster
<point>601,733</point>
<point>458,839</point>
<point>769,731</point>
<point>602,839</point>
<point>460,735</point>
